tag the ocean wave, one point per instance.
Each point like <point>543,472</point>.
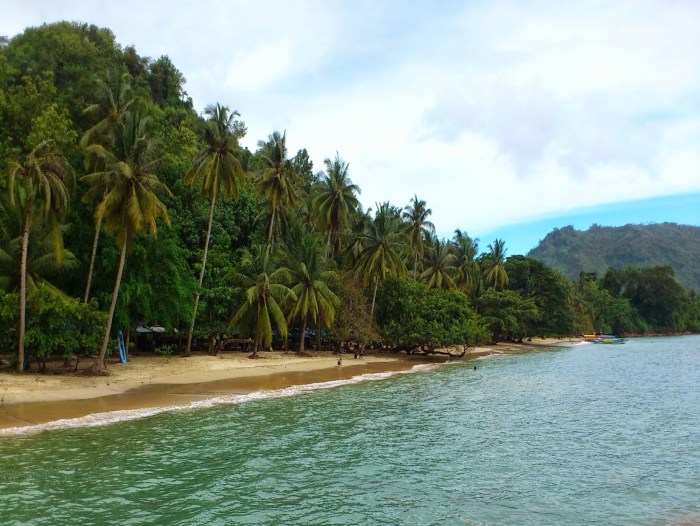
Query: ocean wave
<point>125,415</point>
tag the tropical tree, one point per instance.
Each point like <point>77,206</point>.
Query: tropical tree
<point>335,198</point>
<point>495,275</point>
<point>418,228</point>
<point>439,265</point>
<point>549,291</point>
<point>311,286</point>
<point>276,180</point>
<point>219,171</point>
<point>113,99</point>
<point>131,204</point>
<point>265,293</point>
<point>46,255</point>
<point>507,314</point>
<point>40,186</point>
<point>466,249</point>
<point>381,253</point>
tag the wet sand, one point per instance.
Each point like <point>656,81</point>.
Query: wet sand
<point>151,381</point>
<point>31,399</point>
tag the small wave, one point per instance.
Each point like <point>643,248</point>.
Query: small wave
<point>125,415</point>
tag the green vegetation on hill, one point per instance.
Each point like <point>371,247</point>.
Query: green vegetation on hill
<point>121,206</point>
<point>595,250</point>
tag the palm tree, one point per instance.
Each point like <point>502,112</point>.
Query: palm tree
<point>311,281</point>
<point>418,228</point>
<point>439,265</point>
<point>495,275</point>
<point>131,205</point>
<point>219,170</point>
<point>41,183</point>
<point>468,272</point>
<point>382,245</point>
<point>276,180</point>
<point>265,293</point>
<point>114,97</point>
<point>335,198</point>
<point>46,255</point>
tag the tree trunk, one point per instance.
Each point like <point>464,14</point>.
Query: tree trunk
<point>415,266</point>
<point>98,226</point>
<point>201,277</point>
<point>374,297</point>
<point>128,339</point>
<point>328,243</point>
<point>303,336</point>
<point>318,333</point>
<point>272,226</point>
<point>23,287</point>
<point>115,294</point>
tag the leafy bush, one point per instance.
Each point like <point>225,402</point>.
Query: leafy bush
<point>60,325</point>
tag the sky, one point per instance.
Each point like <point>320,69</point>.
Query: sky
<point>508,118</point>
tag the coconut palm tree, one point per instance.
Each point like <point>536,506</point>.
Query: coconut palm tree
<point>46,255</point>
<point>466,249</point>
<point>265,293</point>
<point>418,228</point>
<point>41,184</point>
<point>495,275</point>
<point>439,265</point>
<point>310,284</point>
<point>219,171</point>
<point>276,180</point>
<point>335,198</point>
<point>382,247</point>
<point>131,205</point>
<point>114,97</point>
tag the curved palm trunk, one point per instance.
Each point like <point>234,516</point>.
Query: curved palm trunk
<point>415,266</point>
<point>303,336</point>
<point>98,226</point>
<point>201,276</point>
<point>23,288</point>
<point>115,294</point>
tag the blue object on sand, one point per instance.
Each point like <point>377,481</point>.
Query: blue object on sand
<point>122,349</point>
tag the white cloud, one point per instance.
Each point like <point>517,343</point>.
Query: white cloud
<point>491,111</point>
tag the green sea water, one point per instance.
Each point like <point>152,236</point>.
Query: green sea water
<point>591,434</point>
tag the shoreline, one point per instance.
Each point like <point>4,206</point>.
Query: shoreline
<point>149,382</point>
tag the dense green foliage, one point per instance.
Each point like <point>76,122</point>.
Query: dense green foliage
<point>599,248</point>
<point>184,228</point>
<point>411,314</point>
<point>548,290</point>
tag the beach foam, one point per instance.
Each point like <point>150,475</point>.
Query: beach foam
<point>113,417</point>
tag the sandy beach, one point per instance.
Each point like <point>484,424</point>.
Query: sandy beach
<point>156,381</point>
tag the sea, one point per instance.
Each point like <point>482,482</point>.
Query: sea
<point>583,434</point>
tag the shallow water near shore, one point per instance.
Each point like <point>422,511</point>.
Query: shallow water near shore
<point>592,434</point>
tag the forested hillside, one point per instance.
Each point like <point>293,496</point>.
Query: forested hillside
<point>598,248</point>
<point>121,206</point>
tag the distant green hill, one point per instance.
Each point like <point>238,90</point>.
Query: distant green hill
<point>596,249</point>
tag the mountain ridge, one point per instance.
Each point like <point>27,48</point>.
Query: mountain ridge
<point>600,247</point>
